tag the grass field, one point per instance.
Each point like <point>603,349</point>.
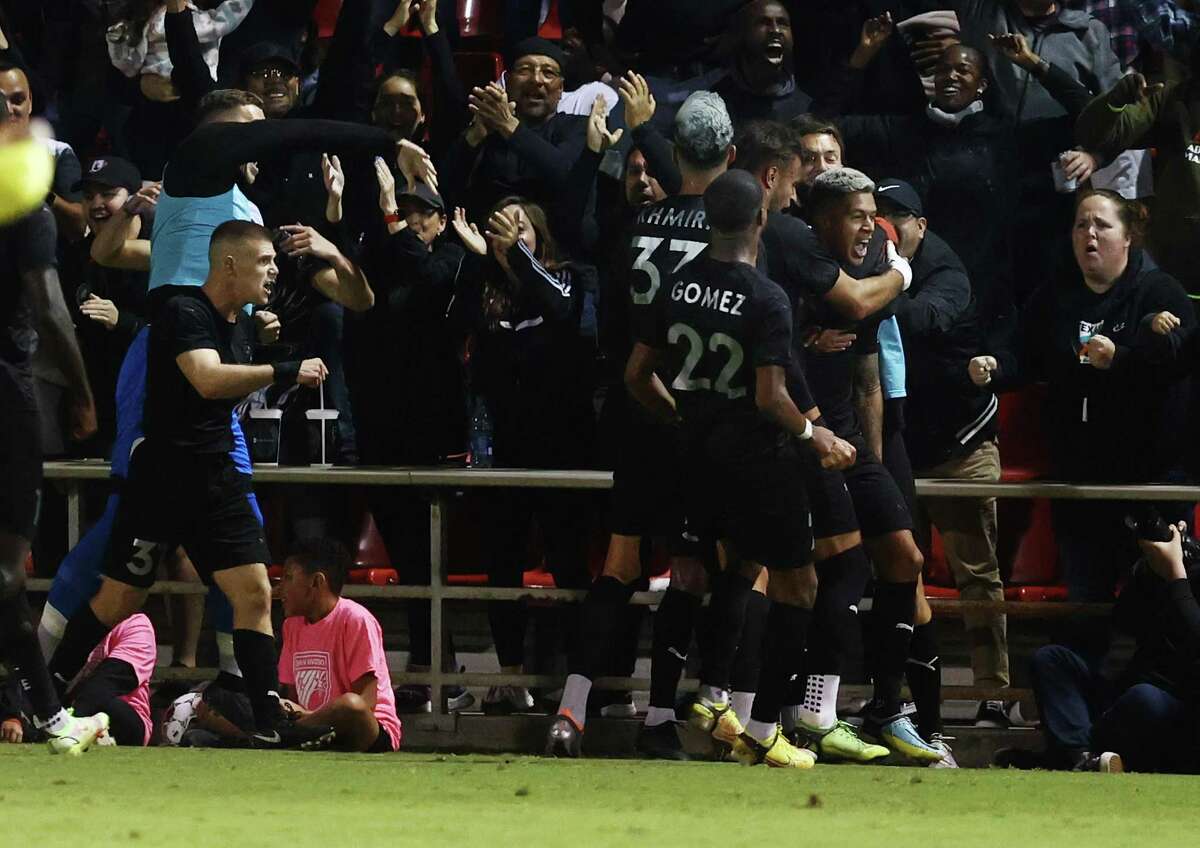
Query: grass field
<point>180,797</point>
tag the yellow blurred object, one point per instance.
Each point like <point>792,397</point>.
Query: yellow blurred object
<point>26,171</point>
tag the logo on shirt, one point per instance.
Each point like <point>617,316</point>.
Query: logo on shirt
<point>311,670</point>
<point>1193,153</point>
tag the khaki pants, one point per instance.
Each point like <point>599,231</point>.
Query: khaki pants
<point>968,530</point>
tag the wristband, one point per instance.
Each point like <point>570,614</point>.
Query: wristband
<point>286,373</point>
<point>392,218</point>
<point>898,263</point>
<point>807,435</point>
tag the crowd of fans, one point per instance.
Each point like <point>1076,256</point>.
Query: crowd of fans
<point>1013,148</point>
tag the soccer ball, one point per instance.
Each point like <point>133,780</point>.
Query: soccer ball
<point>179,716</point>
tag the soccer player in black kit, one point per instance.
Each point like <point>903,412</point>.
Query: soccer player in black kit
<point>183,486</point>
<point>726,331</point>
<point>29,292</point>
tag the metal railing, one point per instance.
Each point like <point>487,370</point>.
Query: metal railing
<point>441,482</point>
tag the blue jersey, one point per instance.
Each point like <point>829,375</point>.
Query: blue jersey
<point>182,229</point>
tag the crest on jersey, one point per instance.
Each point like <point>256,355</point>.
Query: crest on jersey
<point>311,670</point>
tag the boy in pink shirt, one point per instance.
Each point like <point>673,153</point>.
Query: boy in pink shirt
<point>115,680</point>
<point>332,665</point>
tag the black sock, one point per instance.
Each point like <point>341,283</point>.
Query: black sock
<point>600,620</point>
<point>895,605</point>
<point>924,672</point>
<point>747,664</point>
<point>255,655</point>
<point>783,647</point>
<point>19,639</point>
<point>836,634</point>
<point>83,633</point>
<point>674,623</point>
<point>726,614</point>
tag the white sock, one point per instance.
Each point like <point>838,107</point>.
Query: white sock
<point>658,715</point>
<point>50,631</point>
<point>742,703</point>
<point>575,698</point>
<point>225,658</point>
<point>713,696</point>
<point>55,724</point>
<point>819,708</point>
<point>761,730</point>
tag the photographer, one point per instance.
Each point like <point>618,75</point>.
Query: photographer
<point>1144,719</point>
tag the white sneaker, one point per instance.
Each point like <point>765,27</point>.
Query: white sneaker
<point>105,740</point>
<point>938,741</point>
<point>77,734</point>
<point>506,700</point>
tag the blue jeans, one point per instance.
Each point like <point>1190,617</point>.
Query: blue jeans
<point>1150,728</point>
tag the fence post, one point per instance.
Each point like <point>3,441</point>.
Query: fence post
<point>437,580</point>
<point>73,513</point>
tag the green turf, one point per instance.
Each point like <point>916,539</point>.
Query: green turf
<point>189,798</point>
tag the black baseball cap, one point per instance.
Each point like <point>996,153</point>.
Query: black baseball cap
<point>424,195</point>
<point>111,171</point>
<point>270,51</point>
<point>901,195</point>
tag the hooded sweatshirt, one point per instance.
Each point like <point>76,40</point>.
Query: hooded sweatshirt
<point>1118,425</point>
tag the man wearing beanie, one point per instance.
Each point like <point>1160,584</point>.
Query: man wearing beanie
<point>517,142</point>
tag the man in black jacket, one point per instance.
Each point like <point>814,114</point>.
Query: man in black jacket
<point>1145,719</point>
<point>518,143</point>
<point>951,424</point>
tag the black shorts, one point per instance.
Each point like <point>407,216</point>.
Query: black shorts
<point>175,497</point>
<point>756,501</point>
<point>20,459</point>
<point>383,743</point>
<point>878,502</point>
<point>645,499</point>
<point>829,498</point>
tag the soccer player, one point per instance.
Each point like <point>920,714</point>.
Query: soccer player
<point>841,206</point>
<point>184,487</point>
<point>29,293</point>
<point>332,665</point>
<point>809,274</point>
<point>664,237</point>
<point>203,186</point>
<point>728,329</point>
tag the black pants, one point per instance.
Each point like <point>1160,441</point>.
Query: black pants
<point>101,691</point>
<point>1150,728</point>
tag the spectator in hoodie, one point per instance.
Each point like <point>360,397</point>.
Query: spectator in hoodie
<point>1080,334</point>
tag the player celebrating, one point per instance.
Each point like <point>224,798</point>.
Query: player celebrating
<point>729,330</point>
<point>665,237</point>
<point>183,486</point>
<point>30,292</point>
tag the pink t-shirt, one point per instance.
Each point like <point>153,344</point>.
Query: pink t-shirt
<point>133,641</point>
<point>323,660</point>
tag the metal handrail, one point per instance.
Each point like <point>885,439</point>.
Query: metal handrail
<point>440,480</point>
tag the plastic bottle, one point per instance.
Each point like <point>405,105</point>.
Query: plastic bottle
<point>481,434</point>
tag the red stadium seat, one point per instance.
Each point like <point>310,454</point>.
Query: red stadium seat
<point>325,15</point>
<point>551,28</point>
<point>1024,454</point>
<point>371,553</point>
<point>478,69</point>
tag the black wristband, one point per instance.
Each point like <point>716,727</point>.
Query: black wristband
<point>286,373</point>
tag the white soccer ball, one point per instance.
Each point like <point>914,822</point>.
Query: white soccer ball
<point>179,716</point>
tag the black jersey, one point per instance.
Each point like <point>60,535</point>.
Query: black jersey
<point>720,321</point>
<point>664,238</point>
<point>831,375</point>
<point>176,413</point>
<point>25,246</point>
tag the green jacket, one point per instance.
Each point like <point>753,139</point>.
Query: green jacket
<point>1168,123</point>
